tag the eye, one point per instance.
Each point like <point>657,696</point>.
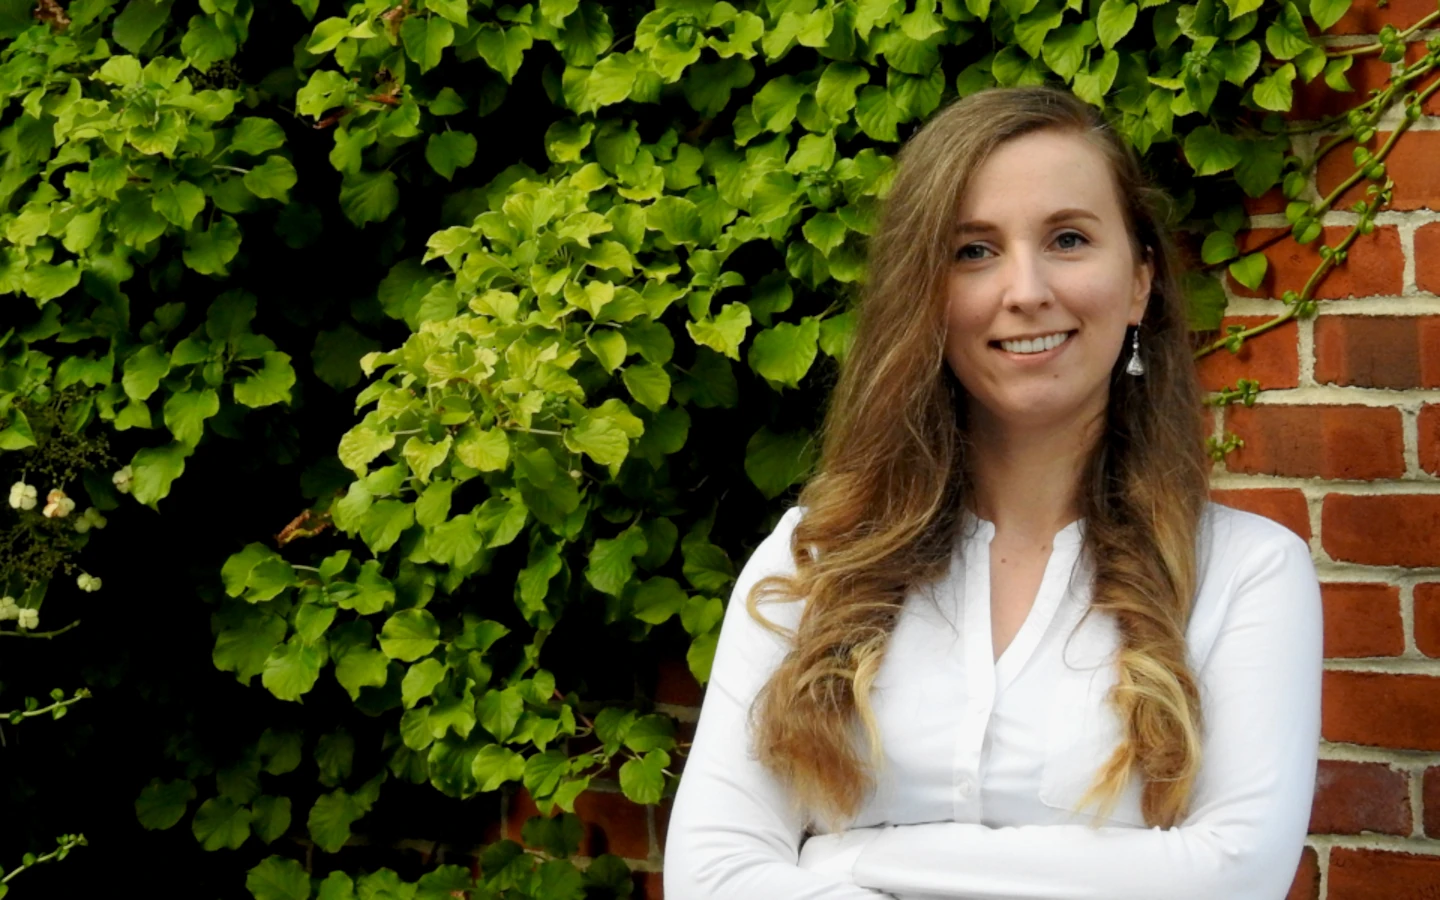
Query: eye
<point>1071,234</point>
<point>964,255</point>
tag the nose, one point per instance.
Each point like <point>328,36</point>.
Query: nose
<point>1026,287</point>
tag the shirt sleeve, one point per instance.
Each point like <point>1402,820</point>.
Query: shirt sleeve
<point>733,833</point>
<point>1246,830</point>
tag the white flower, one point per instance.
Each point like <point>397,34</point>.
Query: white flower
<point>57,505</point>
<point>23,496</point>
<point>122,480</point>
<point>88,582</point>
<point>91,518</point>
<point>28,618</point>
<point>9,609</point>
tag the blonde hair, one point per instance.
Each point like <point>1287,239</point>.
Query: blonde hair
<point>883,510</point>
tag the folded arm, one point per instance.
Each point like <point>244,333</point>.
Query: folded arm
<point>1243,839</point>
<point>733,833</point>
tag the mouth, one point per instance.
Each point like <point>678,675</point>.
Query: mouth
<point>1041,348</point>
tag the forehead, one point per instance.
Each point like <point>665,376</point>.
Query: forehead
<point>1037,173</point>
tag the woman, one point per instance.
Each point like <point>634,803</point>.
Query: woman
<point>1008,648</point>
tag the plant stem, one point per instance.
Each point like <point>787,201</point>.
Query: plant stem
<point>40,634</point>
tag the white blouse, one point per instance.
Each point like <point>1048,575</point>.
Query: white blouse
<point>985,758</point>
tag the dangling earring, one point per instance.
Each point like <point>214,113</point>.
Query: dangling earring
<point>1135,366</point>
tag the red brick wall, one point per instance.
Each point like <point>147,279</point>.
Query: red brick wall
<point>1343,447</point>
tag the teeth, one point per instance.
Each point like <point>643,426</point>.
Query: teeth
<point>1038,345</point>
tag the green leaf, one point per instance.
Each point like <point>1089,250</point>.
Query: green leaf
<point>272,179</point>
<point>878,115</point>
<point>783,354</point>
<point>1116,19</point>
<point>425,39</point>
<point>221,822</point>
<point>543,772</point>
<point>657,600</point>
<point>503,49</point>
<point>424,456</point>
<point>292,668</point>
<point>179,202</point>
<point>724,332</point>
<point>775,461</point>
<point>600,438</point>
<point>612,561</point>
<point>775,104</point>
<point>500,711</point>
<point>1250,270</point>
<point>1095,82</point>
<point>153,469</point>
<point>162,804</point>
<point>1238,62</point>
<point>1286,38</point>
<point>495,765</point>
<point>648,383</point>
<point>272,819</point>
<point>825,231</point>
<point>1328,12</point>
<point>1274,91</point>
<point>209,252</point>
<point>835,93</point>
<point>186,412</point>
<point>270,385</point>
<point>487,450</point>
<point>611,80</point>
<point>330,819</point>
<point>1205,301</point>
<point>368,196</point>
<point>643,780</point>
<point>278,878</point>
<point>256,136</point>
<point>385,522</point>
<point>139,20</point>
<point>447,151</point>
<point>1218,247</point>
<point>1209,150</point>
<point>361,667</point>
<point>143,371</point>
<point>609,348</point>
<point>420,681</point>
<point>676,218</point>
<point>409,635</point>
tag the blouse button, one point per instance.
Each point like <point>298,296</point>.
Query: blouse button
<point>962,787</point>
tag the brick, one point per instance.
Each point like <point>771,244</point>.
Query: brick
<point>1284,505</point>
<point>1362,620</point>
<point>612,823</point>
<point>1365,17</point>
<point>1271,358</point>
<point>1374,265</point>
<point>648,886</point>
<point>1430,801</point>
<point>1381,710</point>
<point>1306,885</point>
<point>1411,163</point>
<point>1394,352</point>
<point>1355,797</point>
<point>675,685</point>
<point>1428,434</point>
<point>1427,619</point>
<point>1427,256</point>
<point>1332,442</point>
<point>1380,875</point>
<point>1316,100</point>
<point>1388,530</point>
<point>1272,201</point>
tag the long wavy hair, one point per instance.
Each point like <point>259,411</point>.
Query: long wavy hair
<point>884,509</point>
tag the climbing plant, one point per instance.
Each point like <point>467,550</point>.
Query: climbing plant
<point>533,307</point>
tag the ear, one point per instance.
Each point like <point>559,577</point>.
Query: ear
<point>1144,278</point>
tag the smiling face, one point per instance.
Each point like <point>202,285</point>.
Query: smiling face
<point>1043,262</point>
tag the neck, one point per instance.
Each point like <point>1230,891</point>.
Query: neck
<point>1026,479</point>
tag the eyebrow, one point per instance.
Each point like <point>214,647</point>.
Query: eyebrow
<point>1059,215</point>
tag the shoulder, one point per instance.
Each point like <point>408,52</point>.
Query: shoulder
<point>1250,569</point>
<point>1231,539</point>
<point>747,651</point>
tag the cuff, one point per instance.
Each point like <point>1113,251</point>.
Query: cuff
<point>834,855</point>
